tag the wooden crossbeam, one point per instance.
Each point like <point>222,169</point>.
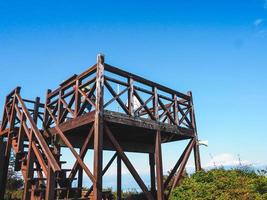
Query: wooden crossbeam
<point>103,172</point>
<point>83,152</point>
<point>167,111</point>
<point>176,166</point>
<point>69,145</point>
<point>89,95</point>
<point>127,162</point>
<point>145,107</point>
<point>114,94</point>
<point>116,97</point>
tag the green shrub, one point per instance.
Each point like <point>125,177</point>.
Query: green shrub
<point>220,184</point>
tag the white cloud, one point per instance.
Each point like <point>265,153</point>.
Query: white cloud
<point>225,159</point>
<point>258,22</point>
<point>265,4</point>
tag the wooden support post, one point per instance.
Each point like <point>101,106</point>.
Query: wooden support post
<point>2,162</point>
<point>8,145</point>
<point>152,174</point>
<point>98,127</point>
<point>159,170</point>
<point>80,178</point>
<point>29,171</point>
<point>50,185</point>
<point>118,178</point>
<point>194,125</point>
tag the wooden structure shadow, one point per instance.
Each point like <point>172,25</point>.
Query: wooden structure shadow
<point>103,108</point>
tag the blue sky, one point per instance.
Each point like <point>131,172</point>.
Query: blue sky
<point>217,49</point>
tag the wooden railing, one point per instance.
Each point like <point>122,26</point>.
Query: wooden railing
<point>123,92</point>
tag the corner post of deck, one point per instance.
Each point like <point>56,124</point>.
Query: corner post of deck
<point>98,128</point>
<point>152,174</point>
<point>158,153</point>
<point>196,146</point>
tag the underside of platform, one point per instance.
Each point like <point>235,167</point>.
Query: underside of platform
<point>127,130</point>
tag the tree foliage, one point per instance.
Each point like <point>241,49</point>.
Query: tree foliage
<point>221,184</point>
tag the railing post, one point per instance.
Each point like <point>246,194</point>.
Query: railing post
<point>77,98</point>
<point>196,146</point>
<point>175,109</point>
<point>130,96</point>
<point>36,109</point>
<point>46,113</point>
<point>98,128</point>
<point>155,103</point>
<point>60,106</point>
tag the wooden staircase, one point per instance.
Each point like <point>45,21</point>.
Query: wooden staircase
<point>37,154</point>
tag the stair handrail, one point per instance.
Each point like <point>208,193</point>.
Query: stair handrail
<point>45,148</point>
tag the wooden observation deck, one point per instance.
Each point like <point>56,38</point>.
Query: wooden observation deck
<point>104,108</point>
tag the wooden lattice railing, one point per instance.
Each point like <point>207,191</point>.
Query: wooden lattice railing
<point>122,92</point>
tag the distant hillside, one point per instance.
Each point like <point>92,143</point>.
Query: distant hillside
<point>220,184</point>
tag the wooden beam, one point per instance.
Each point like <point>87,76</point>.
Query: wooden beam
<point>176,166</point>
<point>69,145</point>
<point>183,164</point>
<point>103,172</point>
<point>83,152</point>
